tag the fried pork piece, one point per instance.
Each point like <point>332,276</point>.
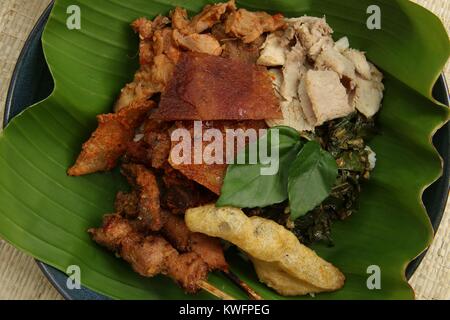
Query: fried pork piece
<point>248,26</point>
<point>211,15</point>
<point>206,87</point>
<point>127,204</point>
<point>158,55</point>
<point>144,181</point>
<point>267,241</point>
<point>113,231</point>
<point>110,140</point>
<point>146,29</point>
<point>202,43</point>
<point>208,248</point>
<point>137,152</point>
<point>210,172</point>
<point>150,255</point>
<point>181,193</point>
<point>236,49</point>
<point>159,148</point>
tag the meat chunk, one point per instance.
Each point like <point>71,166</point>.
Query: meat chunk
<point>293,70</point>
<point>211,15</point>
<point>273,52</point>
<point>248,26</point>
<point>236,49</point>
<point>342,44</point>
<point>158,56</point>
<point>202,43</point>
<point>127,204</point>
<point>182,193</point>
<point>359,60</point>
<point>177,233</point>
<point>328,96</point>
<point>163,43</point>
<point>159,148</point>
<point>209,249</point>
<point>146,29</point>
<point>144,181</point>
<point>113,231</point>
<point>206,87</point>
<point>305,102</point>
<point>188,270</point>
<point>137,152</point>
<point>110,140</point>
<point>150,255</point>
<point>210,175</point>
<point>314,34</point>
<point>293,117</point>
<point>367,96</point>
<point>332,59</point>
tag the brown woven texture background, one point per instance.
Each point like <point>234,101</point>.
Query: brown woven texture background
<point>20,278</point>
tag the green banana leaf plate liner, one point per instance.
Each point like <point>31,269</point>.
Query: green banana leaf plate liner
<point>46,214</point>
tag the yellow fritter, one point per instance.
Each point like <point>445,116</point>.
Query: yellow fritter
<point>267,241</point>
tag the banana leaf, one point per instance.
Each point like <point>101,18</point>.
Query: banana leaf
<point>46,214</point>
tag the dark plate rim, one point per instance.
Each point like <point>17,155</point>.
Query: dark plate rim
<point>49,272</point>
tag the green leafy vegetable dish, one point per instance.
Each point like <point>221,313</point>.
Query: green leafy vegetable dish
<point>263,150</point>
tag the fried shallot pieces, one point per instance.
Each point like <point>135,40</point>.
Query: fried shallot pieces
<point>206,87</point>
<point>109,142</point>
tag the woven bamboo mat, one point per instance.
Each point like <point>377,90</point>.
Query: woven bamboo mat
<point>20,278</point>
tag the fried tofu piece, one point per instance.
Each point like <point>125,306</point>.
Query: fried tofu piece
<point>144,181</point>
<point>210,175</point>
<point>328,96</point>
<point>206,87</point>
<point>110,140</point>
<point>248,26</point>
<point>267,241</point>
<point>202,43</point>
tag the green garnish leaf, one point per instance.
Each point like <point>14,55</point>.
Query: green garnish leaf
<point>244,185</point>
<point>311,177</point>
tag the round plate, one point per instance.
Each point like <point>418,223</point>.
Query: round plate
<point>32,82</point>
